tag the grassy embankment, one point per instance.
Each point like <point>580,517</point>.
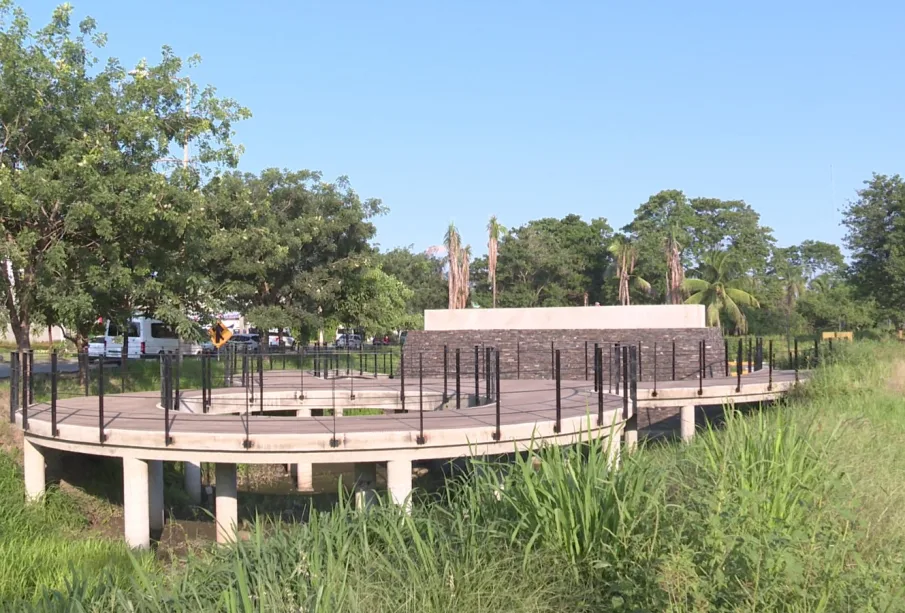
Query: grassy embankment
<point>797,508</point>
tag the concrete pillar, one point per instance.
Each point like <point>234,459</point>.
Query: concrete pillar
<point>687,420</point>
<point>304,476</point>
<point>227,505</point>
<point>631,439</point>
<point>35,475</point>
<point>136,506</point>
<point>193,480</point>
<point>365,484</point>
<point>399,482</point>
<point>155,497</point>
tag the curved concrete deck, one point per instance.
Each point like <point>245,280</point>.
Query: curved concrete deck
<point>134,429</point>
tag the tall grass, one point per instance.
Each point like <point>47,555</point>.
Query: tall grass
<point>794,508</point>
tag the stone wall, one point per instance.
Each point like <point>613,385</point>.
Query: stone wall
<point>528,354</point>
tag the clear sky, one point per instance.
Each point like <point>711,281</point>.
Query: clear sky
<point>454,111</point>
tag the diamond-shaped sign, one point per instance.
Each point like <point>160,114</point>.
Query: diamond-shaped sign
<point>219,334</point>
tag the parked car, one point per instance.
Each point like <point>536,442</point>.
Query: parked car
<point>250,342</point>
<point>97,348</point>
<point>288,341</point>
<point>147,338</point>
<point>348,341</point>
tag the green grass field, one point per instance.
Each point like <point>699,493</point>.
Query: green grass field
<point>796,508</point>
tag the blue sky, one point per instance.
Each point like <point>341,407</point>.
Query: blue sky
<point>455,111</point>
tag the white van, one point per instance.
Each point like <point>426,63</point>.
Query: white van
<point>147,338</point>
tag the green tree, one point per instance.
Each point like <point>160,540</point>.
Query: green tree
<point>420,272</point>
<point>87,218</point>
<point>376,302</point>
<point>876,238</point>
<point>722,290</point>
<point>495,231</point>
<point>834,305</point>
<point>285,242</point>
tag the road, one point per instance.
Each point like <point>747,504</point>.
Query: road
<point>43,367</point>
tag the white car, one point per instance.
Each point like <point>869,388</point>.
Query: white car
<point>97,348</point>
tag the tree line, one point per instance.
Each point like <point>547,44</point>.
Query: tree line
<point>102,219</point>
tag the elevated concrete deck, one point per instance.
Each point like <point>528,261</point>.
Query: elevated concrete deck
<point>134,429</point>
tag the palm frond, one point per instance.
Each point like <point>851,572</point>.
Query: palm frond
<point>695,285</point>
<point>742,297</point>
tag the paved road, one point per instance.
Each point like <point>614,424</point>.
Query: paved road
<point>43,367</point>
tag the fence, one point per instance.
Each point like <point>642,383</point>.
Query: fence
<point>461,380</point>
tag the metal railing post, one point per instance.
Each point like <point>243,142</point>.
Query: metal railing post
<point>586,360</point>
<point>31,376</point>
<point>13,386</point>
<point>726,354</point>
<point>654,393</point>
<point>598,374</point>
<point>597,379</point>
<point>458,381</point>
<point>557,427</point>
<point>518,359</point>
<point>477,369</point>
<point>497,435</point>
<point>624,369</point>
<point>100,401</point>
<point>487,374</point>
<point>770,366</point>
<point>796,360</point>
<point>54,380</point>
<point>402,378</point>
<point>674,360</point>
<point>445,373</point>
<point>738,368</point>
<point>420,439</point>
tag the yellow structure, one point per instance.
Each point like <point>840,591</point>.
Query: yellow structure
<point>846,336</point>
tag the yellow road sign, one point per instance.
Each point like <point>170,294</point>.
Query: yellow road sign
<point>219,334</point>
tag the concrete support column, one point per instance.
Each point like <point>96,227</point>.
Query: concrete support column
<point>630,434</point>
<point>227,504</point>
<point>304,476</point>
<point>687,420</point>
<point>155,497</point>
<point>399,482</point>
<point>365,484</point>
<point>35,475</point>
<point>193,480</point>
<point>136,506</point>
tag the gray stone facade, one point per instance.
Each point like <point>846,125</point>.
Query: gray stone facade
<point>528,354</point>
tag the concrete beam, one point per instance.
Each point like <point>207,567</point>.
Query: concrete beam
<point>155,497</point>
<point>687,422</point>
<point>227,504</point>
<point>399,483</point>
<point>136,506</point>
<point>35,474</point>
<point>192,475</point>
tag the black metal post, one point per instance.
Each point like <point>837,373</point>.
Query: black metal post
<point>420,439</point>
<point>639,361</point>
<point>738,368</point>
<point>361,361</point>
<point>598,374</point>
<point>496,434</point>
<point>700,368</point>
<point>654,393</point>
<point>726,354</point>
<point>750,365</point>
<point>25,382</point>
<point>477,385</point>
<point>556,373</point>
<point>402,377</point>
<point>674,360</point>
<point>816,350</point>
<point>445,373</point>
<point>100,401</point>
<point>261,382</point>
<point>704,359</point>
<point>624,369</point>
<point>31,376</point>
<point>13,386</point>
<point>552,359</point>
<point>391,361</point>
<point>54,376</point>
<point>617,368</point>
<point>796,360</point>
<point>487,374</point>
<point>598,380</point>
<point>586,360</point>
<point>458,380</point>
<point>770,366</point>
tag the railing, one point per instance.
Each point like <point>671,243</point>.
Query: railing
<point>243,379</point>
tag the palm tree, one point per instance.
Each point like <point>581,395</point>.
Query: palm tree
<point>463,278</point>
<point>625,255</point>
<point>452,242</point>
<point>720,290</point>
<point>675,274</point>
<point>495,231</point>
